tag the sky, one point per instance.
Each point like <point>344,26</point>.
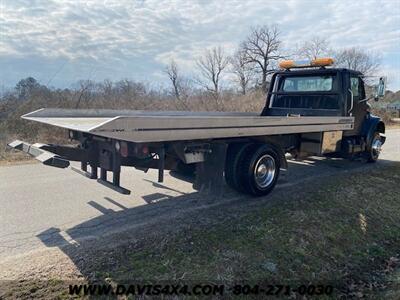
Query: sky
<point>61,42</point>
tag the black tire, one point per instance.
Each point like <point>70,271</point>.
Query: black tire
<point>374,148</point>
<point>264,159</point>
<point>234,155</point>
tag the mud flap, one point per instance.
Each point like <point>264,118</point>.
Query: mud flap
<point>210,173</point>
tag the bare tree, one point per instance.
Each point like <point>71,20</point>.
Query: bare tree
<point>314,48</point>
<point>25,88</point>
<point>173,74</point>
<point>262,47</point>
<point>211,65</point>
<point>243,71</point>
<point>357,59</point>
<point>84,91</point>
<point>179,84</point>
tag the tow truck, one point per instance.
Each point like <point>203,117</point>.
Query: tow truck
<point>311,109</point>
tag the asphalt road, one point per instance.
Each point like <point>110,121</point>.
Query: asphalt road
<point>41,203</point>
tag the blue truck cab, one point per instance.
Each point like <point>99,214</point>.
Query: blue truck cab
<point>308,90</point>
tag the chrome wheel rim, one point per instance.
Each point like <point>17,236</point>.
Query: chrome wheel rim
<point>376,146</point>
<point>264,171</point>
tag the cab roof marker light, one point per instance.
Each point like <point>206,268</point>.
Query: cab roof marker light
<point>322,62</point>
<point>318,62</point>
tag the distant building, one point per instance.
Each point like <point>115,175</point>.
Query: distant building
<point>394,105</point>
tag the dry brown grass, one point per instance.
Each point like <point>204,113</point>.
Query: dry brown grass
<point>385,115</point>
<point>127,96</point>
<point>13,127</point>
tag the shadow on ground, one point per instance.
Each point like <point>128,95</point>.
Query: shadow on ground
<point>163,214</point>
<point>161,207</point>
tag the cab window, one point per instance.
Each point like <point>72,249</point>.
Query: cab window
<point>308,84</point>
<point>306,92</point>
<point>355,86</point>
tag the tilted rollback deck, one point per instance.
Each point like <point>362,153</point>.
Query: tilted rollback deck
<point>148,126</point>
<point>247,150</point>
<point>110,139</point>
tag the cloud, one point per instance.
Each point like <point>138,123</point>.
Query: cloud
<point>136,39</point>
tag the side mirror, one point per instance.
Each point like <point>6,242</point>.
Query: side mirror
<point>380,88</point>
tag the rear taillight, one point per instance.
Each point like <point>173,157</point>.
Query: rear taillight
<point>124,149</point>
<point>145,150</point>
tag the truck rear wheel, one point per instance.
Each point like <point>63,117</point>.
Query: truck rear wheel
<point>259,170</point>
<point>234,155</point>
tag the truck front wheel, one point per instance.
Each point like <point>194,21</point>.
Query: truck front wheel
<point>259,170</point>
<point>374,149</point>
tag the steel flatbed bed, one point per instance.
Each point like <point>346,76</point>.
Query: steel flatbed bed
<point>148,126</point>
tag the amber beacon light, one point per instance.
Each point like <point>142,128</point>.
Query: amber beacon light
<point>318,62</point>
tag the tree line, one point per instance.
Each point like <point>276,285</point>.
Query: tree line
<point>256,58</point>
<point>218,81</point>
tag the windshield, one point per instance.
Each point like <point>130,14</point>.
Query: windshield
<point>307,84</point>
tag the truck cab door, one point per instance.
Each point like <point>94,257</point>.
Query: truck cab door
<point>357,106</point>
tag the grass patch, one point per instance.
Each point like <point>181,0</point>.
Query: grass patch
<point>343,231</point>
